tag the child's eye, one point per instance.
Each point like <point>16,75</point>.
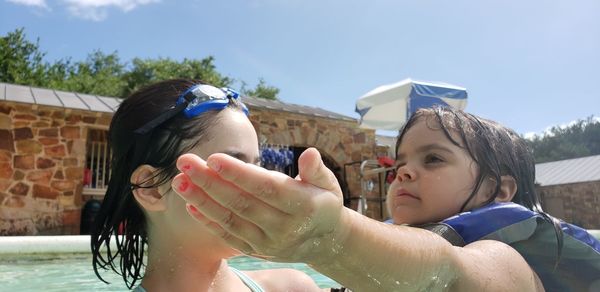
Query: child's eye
<point>431,158</point>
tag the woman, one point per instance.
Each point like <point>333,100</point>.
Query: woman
<point>151,128</point>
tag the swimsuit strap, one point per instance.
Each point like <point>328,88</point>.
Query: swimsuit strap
<point>254,287</point>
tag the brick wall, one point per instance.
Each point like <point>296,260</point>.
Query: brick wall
<point>577,203</point>
<point>42,156</point>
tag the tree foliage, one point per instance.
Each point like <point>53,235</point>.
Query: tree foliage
<point>580,139</point>
<point>145,71</point>
<point>262,90</point>
<point>22,62</point>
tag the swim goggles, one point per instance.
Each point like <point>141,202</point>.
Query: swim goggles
<point>194,101</point>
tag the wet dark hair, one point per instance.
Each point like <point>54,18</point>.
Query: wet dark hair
<point>497,151</point>
<point>120,217</point>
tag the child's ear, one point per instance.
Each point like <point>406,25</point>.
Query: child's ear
<point>149,198</point>
<point>508,189</point>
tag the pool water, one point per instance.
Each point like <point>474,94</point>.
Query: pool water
<point>73,272</point>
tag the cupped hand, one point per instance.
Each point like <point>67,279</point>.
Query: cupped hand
<point>264,212</point>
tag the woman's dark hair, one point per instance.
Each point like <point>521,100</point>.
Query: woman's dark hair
<point>497,151</point>
<point>120,217</point>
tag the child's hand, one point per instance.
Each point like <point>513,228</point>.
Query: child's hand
<point>264,212</point>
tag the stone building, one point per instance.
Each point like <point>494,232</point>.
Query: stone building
<point>53,154</point>
<point>570,190</point>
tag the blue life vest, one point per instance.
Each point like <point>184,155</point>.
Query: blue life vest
<point>578,268</point>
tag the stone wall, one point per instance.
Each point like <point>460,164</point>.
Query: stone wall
<point>42,157</point>
<point>339,140</point>
<point>577,203</point>
<point>43,154</point>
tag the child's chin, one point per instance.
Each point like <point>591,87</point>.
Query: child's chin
<point>403,220</point>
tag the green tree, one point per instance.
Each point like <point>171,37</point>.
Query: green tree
<point>262,90</point>
<point>100,74</point>
<point>577,140</point>
<point>145,71</point>
<point>21,61</point>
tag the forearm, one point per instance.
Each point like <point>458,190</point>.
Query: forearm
<point>371,256</point>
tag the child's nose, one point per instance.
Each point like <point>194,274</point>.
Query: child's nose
<point>405,173</point>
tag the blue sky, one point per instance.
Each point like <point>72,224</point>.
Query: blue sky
<point>526,64</point>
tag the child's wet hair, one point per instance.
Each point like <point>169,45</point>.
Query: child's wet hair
<point>496,150</point>
<point>160,148</point>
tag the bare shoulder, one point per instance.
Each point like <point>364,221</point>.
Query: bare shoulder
<point>490,265</point>
<point>284,280</point>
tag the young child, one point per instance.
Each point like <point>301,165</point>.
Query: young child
<point>151,128</point>
<point>501,204</point>
<point>465,178</point>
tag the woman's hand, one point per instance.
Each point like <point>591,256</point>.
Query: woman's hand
<point>262,212</point>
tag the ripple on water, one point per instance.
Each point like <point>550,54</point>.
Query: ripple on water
<point>63,273</point>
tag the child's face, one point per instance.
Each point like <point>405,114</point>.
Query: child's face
<point>434,179</point>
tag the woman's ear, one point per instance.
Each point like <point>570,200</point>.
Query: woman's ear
<point>508,189</point>
<point>148,197</point>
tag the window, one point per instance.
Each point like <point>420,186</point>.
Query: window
<point>97,164</point>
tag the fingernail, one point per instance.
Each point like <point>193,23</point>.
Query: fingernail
<point>212,164</point>
<point>186,168</point>
<point>183,185</point>
<point>192,208</point>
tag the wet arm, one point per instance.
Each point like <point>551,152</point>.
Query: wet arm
<point>303,220</point>
<point>377,256</point>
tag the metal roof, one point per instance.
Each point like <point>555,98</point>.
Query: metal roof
<point>42,96</point>
<point>568,171</point>
<point>51,97</point>
<point>294,108</point>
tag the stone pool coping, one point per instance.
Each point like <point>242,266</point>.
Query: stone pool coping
<point>68,244</point>
<point>45,244</point>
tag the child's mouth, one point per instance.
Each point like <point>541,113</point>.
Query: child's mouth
<point>403,193</point>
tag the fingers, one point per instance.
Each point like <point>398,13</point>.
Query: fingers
<point>271,187</point>
<point>206,184</point>
<point>226,193</point>
<point>218,231</point>
<point>257,210</point>
<point>222,221</point>
<point>312,170</point>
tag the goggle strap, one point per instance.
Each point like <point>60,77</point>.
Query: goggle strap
<point>189,96</point>
<point>161,119</point>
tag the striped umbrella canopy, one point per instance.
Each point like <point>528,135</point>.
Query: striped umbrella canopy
<point>388,107</point>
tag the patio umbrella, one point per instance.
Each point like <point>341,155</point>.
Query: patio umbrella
<point>388,107</point>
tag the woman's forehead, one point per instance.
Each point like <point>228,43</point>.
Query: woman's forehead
<point>233,134</point>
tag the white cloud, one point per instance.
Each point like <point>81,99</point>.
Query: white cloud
<point>33,3</point>
<point>97,10</point>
